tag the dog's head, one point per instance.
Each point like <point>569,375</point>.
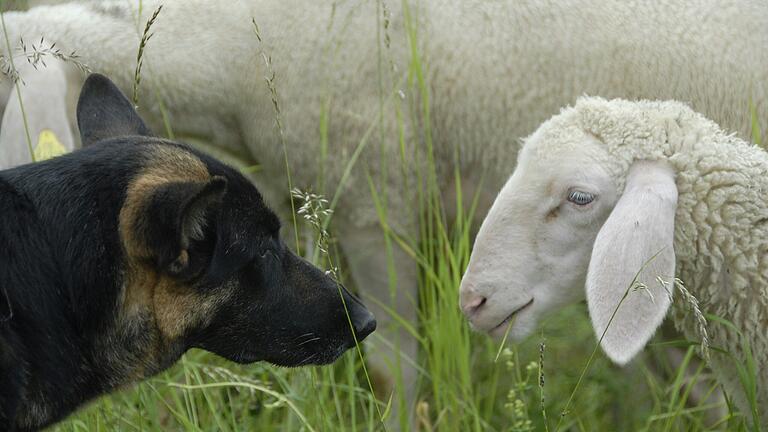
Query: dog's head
<point>203,260</point>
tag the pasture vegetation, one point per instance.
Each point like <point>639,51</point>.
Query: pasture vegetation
<point>556,380</point>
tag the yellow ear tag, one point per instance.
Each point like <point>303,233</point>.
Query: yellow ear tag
<point>48,146</point>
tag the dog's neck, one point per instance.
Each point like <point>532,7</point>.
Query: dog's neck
<point>63,250</point>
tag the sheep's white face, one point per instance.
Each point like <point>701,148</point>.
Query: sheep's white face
<point>559,231</point>
<point>532,251</point>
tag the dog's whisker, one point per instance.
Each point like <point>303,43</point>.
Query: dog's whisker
<point>304,335</point>
<point>310,340</point>
<point>301,342</point>
<point>307,359</point>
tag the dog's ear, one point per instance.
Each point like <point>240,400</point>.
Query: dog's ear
<point>104,112</point>
<point>635,241</point>
<point>175,216</point>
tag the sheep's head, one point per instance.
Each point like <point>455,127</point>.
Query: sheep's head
<point>579,211</point>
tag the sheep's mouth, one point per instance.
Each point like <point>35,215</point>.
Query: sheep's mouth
<point>511,316</point>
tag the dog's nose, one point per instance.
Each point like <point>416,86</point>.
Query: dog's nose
<point>363,321</point>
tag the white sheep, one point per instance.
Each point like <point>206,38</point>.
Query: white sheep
<point>607,189</point>
<point>494,70</point>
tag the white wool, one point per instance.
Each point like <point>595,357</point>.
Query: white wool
<point>671,189</point>
<point>495,71</point>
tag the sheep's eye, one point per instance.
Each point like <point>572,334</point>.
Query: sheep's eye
<point>580,198</point>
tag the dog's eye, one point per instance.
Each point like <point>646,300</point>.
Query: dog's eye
<point>580,197</point>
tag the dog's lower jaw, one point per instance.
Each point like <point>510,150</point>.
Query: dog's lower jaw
<point>319,357</point>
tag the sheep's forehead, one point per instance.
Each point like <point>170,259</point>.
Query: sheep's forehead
<point>555,136</point>
<point>556,146</point>
<point>642,129</point>
<point>609,133</point>
<point>566,143</point>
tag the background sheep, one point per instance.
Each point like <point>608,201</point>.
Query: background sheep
<point>492,70</point>
<point>45,108</point>
<point>648,187</point>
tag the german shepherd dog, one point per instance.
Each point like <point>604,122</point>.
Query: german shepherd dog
<point>118,258</point>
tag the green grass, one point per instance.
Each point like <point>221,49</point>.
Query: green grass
<point>467,382</point>
<point>205,393</point>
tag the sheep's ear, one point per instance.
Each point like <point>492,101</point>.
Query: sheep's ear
<point>104,112</point>
<point>634,244</point>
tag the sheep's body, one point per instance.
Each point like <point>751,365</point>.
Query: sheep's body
<point>494,71</point>
<point>721,222</point>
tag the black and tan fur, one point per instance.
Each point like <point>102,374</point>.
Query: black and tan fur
<point>116,259</point>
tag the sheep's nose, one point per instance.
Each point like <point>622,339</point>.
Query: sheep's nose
<point>471,302</point>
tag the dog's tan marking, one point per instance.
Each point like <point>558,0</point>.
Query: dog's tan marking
<point>167,164</point>
<point>174,307</point>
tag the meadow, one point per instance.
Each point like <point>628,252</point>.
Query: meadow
<point>557,380</point>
